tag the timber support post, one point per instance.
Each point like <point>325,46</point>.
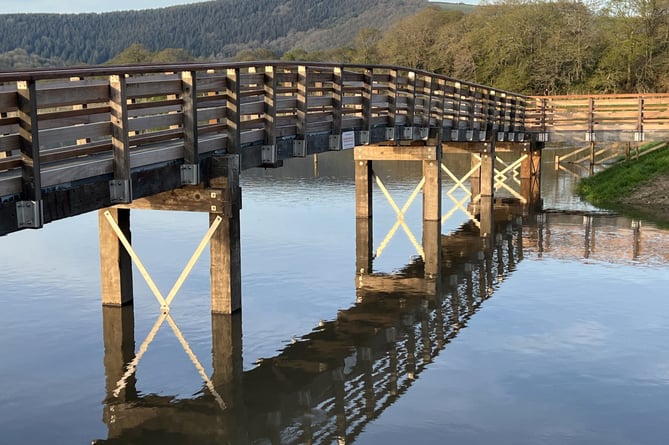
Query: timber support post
<point>225,246</point>
<point>432,214</point>
<point>115,261</point>
<point>487,202</point>
<point>364,245</point>
<point>530,176</point>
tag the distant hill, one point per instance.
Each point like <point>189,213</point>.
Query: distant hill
<point>214,29</point>
<point>453,6</point>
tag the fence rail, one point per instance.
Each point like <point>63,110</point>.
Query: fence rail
<point>600,118</point>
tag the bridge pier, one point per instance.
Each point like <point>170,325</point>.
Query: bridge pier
<point>430,156</point>
<point>221,199</point>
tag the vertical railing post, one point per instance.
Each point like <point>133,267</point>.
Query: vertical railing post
<point>367,98</point>
<point>392,101</point>
<point>120,188</point>
<point>233,112</point>
<point>30,212</point>
<point>411,98</point>
<point>270,105</point>
<point>190,170</point>
<point>337,105</point>
<point>640,120</point>
<point>302,101</point>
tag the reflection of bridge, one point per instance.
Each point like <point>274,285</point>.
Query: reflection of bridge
<point>329,384</point>
<point>595,236</point>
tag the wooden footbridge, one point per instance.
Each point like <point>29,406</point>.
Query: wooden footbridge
<point>176,136</point>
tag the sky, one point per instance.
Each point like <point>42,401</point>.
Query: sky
<point>75,6</point>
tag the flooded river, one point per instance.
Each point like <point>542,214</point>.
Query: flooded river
<point>556,334</point>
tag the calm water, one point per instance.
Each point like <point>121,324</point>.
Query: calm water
<point>557,335</point>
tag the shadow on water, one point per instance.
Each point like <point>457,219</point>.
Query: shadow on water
<point>327,385</point>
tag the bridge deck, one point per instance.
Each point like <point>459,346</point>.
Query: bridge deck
<point>66,133</point>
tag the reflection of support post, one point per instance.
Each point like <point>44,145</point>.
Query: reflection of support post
<point>487,218</point>
<point>530,177</point>
<point>636,248</point>
<point>363,213</point>
<point>115,262</point>
<point>226,335</point>
<point>118,329</point>
<point>339,381</point>
<point>365,354</point>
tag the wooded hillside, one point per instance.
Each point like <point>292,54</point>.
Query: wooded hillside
<point>214,29</point>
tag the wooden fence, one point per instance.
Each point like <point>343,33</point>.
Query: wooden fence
<point>600,118</point>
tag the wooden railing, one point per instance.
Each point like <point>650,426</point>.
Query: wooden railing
<point>600,118</point>
<point>65,125</point>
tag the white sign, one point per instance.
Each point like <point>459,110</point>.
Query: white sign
<point>348,140</point>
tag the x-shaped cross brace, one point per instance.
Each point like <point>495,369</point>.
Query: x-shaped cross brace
<point>165,307</point>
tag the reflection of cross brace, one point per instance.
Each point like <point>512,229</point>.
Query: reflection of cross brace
<point>400,218</point>
<point>459,183</point>
<point>165,306</point>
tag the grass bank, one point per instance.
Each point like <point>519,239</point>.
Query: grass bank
<point>609,188</point>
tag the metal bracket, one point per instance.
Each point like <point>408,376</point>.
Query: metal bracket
<point>268,154</point>
<point>500,136</point>
<point>390,134</point>
<point>543,137</point>
<point>482,135</point>
<point>190,174</point>
<point>364,137</point>
<point>407,133</point>
<point>29,214</point>
<point>119,191</point>
<point>639,136</point>
<point>455,135</point>
<point>335,142</point>
<point>299,148</point>
<point>424,133</point>
<point>590,137</point>
<point>469,135</point>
